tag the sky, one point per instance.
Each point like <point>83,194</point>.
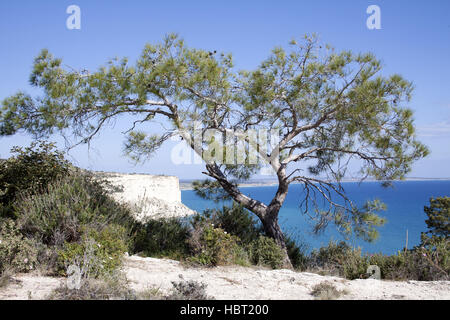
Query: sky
<point>414,41</point>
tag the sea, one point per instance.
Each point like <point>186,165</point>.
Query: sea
<point>405,201</point>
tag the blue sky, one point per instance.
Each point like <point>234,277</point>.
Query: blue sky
<point>414,41</point>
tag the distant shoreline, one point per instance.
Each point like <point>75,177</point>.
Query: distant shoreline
<point>184,186</point>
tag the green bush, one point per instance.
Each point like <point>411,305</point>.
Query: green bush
<point>420,263</point>
<point>431,259</point>
<point>162,238</point>
<point>70,204</point>
<point>296,254</point>
<point>339,259</point>
<point>30,169</point>
<point>238,221</point>
<point>17,254</point>
<point>98,253</point>
<point>213,246</point>
<point>264,251</point>
<point>235,220</point>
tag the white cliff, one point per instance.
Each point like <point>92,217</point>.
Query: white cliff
<point>150,196</point>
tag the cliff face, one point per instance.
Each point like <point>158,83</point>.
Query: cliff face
<point>150,196</point>
<point>137,186</point>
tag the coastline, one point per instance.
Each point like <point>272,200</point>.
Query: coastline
<point>185,186</point>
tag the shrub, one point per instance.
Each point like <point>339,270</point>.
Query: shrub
<point>30,169</point>
<point>239,222</point>
<point>264,251</point>
<point>296,254</point>
<point>59,214</point>
<point>431,259</point>
<point>17,254</point>
<point>420,263</point>
<point>339,259</point>
<point>213,246</point>
<point>97,254</point>
<point>326,291</point>
<point>110,287</point>
<point>162,238</point>
<point>188,290</point>
<point>5,277</point>
<point>235,220</point>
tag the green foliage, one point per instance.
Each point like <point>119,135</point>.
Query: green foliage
<point>364,221</point>
<point>98,253</point>
<point>29,169</point>
<point>330,106</point>
<point>239,222</point>
<point>17,254</point>
<point>213,246</point>
<point>438,221</point>
<point>339,259</point>
<point>210,190</point>
<point>421,263</point>
<point>417,264</point>
<point>162,238</point>
<point>264,251</point>
<point>60,212</point>
<point>297,254</point>
<point>69,204</point>
<point>235,220</point>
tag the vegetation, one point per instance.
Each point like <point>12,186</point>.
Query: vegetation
<point>428,261</point>
<point>338,259</point>
<point>438,221</point>
<point>29,169</point>
<point>70,220</point>
<point>60,213</point>
<point>328,108</point>
<point>98,252</point>
<point>326,291</point>
<point>265,251</point>
<point>16,252</point>
<point>165,238</point>
<point>108,287</point>
<point>56,215</point>
<point>188,290</point>
<point>213,246</point>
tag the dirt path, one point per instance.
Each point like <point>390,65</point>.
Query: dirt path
<point>238,283</point>
<point>235,283</point>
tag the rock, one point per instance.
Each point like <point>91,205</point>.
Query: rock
<point>149,196</point>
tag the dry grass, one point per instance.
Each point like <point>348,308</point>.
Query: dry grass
<point>327,291</point>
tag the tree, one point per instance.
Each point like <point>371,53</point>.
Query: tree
<point>438,214</point>
<point>328,109</point>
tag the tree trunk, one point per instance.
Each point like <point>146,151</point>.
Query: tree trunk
<point>270,220</point>
<point>273,230</point>
<point>267,214</point>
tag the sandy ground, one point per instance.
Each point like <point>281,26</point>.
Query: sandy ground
<point>29,286</point>
<point>239,283</point>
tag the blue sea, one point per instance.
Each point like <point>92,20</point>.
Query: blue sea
<point>405,202</point>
